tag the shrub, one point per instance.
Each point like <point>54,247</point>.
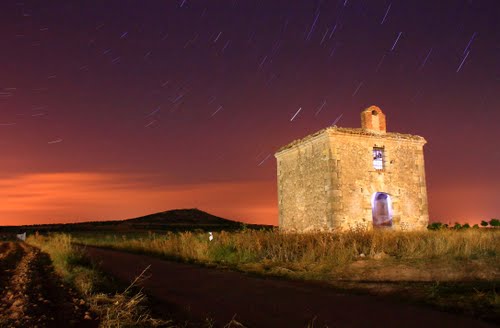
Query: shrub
<point>435,226</point>
<point>495,223</point>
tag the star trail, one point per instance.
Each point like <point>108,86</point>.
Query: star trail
<point>185,102</point>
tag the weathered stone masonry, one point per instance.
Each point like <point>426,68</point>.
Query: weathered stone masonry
<point>328,179</point>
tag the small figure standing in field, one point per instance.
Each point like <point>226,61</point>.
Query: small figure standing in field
<point>210,236</point>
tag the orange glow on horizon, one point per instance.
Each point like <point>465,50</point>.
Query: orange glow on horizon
<point>75,197</point>
<point>456,203</point>
<point>85,196</point>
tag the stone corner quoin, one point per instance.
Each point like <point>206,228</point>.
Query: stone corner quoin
<point>353,177</point>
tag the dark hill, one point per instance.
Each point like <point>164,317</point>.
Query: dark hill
<point>173,220</point>
<point>182,217</point>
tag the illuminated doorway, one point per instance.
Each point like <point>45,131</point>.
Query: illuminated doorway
<point>382,210</point>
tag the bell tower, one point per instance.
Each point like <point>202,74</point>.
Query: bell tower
<point>373,120</point>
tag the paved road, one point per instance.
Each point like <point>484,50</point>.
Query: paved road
<point>266,302</point>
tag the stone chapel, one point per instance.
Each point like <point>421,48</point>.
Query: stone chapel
<point>353,177</point>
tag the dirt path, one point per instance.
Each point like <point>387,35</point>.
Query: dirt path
<point>31,295</point>
<point>259,302</point>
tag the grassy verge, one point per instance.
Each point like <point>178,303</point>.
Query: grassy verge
<point>126,309</point>
<point>453,270</point>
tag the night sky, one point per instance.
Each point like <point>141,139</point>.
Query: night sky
<point>116,109</point>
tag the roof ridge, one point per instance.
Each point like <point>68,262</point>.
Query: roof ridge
<point>355,131</point>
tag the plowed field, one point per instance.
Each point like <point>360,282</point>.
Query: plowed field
<point>31,295</point>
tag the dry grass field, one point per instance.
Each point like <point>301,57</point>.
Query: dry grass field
<point>444,255</point>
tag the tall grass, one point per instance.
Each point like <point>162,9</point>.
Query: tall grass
<point>307,250</point>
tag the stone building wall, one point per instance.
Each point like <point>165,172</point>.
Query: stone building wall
<point>403,178</point>
<point>304,186</point>
<point>327,180</point>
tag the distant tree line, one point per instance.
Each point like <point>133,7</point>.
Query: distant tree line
<point>494,223</point>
